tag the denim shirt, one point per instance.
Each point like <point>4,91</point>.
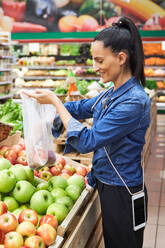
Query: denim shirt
<point>120,121</point>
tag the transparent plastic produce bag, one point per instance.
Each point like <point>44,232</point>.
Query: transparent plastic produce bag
<point>37,121</point>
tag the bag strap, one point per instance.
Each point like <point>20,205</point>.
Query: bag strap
<point>122,178</point>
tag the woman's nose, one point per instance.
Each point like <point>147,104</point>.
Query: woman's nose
<point>95,67</point>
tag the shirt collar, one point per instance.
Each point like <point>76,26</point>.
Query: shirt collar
<point>124,87</point>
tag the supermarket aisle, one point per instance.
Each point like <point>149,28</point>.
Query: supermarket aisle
<point>155,181</point>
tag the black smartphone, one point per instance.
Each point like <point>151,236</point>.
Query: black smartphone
<point>139,211</point>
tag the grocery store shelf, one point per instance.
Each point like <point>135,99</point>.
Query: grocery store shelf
<point>6,57</point>
<point>160,105</point>
<point>5,83</point>
<point>5,69</point>
<point>155,66</point>
<point>156,78</point>
<point>58,77</point>
<point>51,67</point>
<point>6,96</point>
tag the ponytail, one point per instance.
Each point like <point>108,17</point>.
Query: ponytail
<point>124,35</point>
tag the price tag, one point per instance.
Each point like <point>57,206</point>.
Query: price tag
<point>34,47</point>
<point>163,45</point>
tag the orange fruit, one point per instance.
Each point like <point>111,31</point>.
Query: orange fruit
<point>82,19</point>
<point>67,23</point>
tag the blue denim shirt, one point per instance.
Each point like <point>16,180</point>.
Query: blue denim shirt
<point>120,121</point>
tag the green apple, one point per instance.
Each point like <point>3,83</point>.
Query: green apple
<point>19,172</point>
<point>24,206</point>
<point>4,164</point>
<point>29,174</point>
<point>60,211</point>
<point>40,201</point>
<point>78,180</point>
<point>7,181</point>
<point>11,203</point>
<point>65,200</point>
<point>57,182</point>
<point>58,192</point>
<point>41,186</point>
<point>23,191</point>
<point>73,191</point>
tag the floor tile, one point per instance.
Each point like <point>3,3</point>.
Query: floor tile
<point>160,241</point>
<point>153,198</point>
<point>155,163</point>
<point>161,216</point>
<point>152,215</point>
<point>153,180</point>
<point>149,236</point>
<point>162,199</point>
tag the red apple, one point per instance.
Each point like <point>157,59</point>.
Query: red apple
<point>13,240</point>
<point>17,148</point>
<point>22,160</point>
<point>28,215</point>
<point>22,153</point>
<point>34,242</point>
<point>11,156</point>
<point>67,171</point>
<point>26,229</point>
<point>55,171</point>
<point>22,143</point>
<point>8,222</point>
<point>61,160</point>
<point>70,168</point>
<point>36,173</point>
<point>2,237</point>
<point>49,219</point>
<point>59,166</point>
<point>64,175</point>
<point>3,149</point>
<point>3,208</point>
<point>80,170</point>
<point>47,233</point>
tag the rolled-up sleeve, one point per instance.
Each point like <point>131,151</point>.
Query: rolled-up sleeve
<point>114,124</point>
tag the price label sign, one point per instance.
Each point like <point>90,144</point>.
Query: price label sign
<point>34,47</point>
<point>163,45</point>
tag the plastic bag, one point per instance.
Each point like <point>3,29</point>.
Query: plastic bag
<point>38,120</point>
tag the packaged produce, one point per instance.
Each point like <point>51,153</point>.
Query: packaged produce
<point>38,121</point>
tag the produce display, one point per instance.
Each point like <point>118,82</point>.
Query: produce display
<point>34,203</point>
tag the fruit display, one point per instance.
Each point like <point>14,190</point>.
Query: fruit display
<point>31,209</point>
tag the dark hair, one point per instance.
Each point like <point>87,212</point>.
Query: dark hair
<point>124,36</point>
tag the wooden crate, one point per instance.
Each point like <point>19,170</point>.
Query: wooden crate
<point>57,243</point>
<point>79,204</point>
<point>85,227</point>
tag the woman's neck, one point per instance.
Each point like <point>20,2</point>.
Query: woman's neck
<point>122,78</point>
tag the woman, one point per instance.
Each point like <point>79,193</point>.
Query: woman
<point>121,117</point>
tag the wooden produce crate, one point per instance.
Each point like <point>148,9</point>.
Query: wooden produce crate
<point>79,204</point>
<point>58,242</point>
<point>86,230</point>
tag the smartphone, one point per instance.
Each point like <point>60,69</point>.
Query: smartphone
<point>139,211</point>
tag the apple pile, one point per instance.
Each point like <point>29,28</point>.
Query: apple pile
<point>16,154</point>
<point>28,198</point>
<point>26,231</point>
<point>60,168</point>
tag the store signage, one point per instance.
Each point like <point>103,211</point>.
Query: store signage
<point>38,16</point>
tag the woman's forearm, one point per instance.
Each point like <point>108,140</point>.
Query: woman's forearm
<point>63,112</point>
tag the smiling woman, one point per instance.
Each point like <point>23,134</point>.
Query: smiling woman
<point>117,135</point>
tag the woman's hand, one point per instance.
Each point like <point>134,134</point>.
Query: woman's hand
<point>43,96</point>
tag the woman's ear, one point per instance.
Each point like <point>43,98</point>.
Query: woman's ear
<point>122,56</point>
